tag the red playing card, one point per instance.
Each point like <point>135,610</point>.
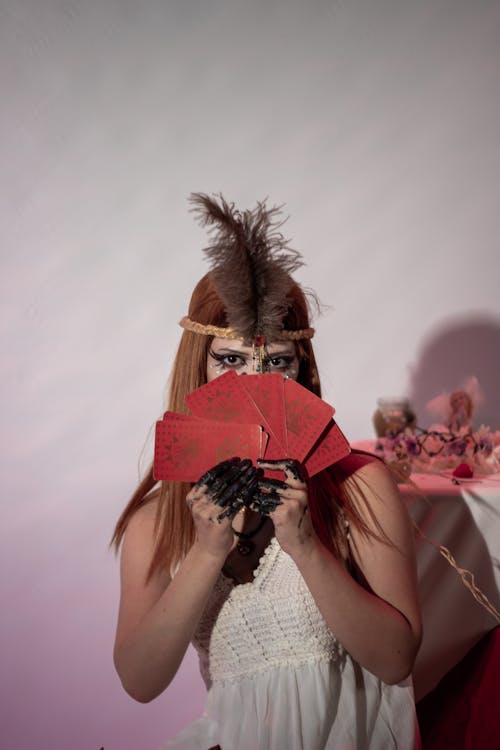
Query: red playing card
<point>306,417</point>
<point>186,447</point>
<point>267,393</point>
<point>330,448</point>
<point>224,400</point>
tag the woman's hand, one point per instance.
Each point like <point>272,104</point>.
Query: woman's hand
<point>214,501</point>
<point>287,503</point>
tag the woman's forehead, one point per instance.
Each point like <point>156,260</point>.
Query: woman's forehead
<point>236,345</point>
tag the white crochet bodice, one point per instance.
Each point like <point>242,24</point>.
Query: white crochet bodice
<point>278,679</point>
<point>270,622</point>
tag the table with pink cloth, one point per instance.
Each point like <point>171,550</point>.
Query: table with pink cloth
<point>465,518</point>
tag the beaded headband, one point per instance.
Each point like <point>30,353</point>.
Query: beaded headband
<point>230,333</point>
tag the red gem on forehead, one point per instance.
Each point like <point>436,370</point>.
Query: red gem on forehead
<point>259,341</point>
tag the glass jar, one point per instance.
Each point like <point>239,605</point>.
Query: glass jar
<point>393,415</point>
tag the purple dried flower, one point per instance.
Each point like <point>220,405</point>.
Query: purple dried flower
<point>485,440</point>
<point>455,447</point>
<point>412,446</point>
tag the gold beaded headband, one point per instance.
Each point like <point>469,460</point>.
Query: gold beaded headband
<point>230,333</point>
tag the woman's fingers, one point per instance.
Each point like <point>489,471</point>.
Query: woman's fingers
<point>215,472</point>
<point>231,510</point>
<point>231,485</point>
<point>235,483</point>
<point>274,492</point>
<point>293,470</point>
<point>266,502</point>
<point>227,485</point>
<point>239,487</point>
<point>272,484</point>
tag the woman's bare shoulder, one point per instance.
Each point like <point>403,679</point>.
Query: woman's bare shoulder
<point>147,512</point>
<point>139,543</point>
<point>140,533</point>
<point>371,486</point>
<point>360,465</point>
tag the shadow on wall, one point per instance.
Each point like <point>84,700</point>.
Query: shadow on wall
<point>453,352</point>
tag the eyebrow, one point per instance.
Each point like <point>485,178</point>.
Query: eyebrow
<point>230,351</point>
<point>282,353</point>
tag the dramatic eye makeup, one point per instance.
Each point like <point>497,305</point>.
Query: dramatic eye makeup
<point>279,361</point>
<point>229,360</point>
<point>232,360</point>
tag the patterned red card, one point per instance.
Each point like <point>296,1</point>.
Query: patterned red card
<point>330,448</point>
<point>306,417</point>
<point>224,400</point>
<point>186,447</point>
<point>267,393</point>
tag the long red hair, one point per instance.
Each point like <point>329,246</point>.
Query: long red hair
<point>175,533</point>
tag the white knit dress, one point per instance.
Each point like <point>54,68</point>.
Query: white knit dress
<point>278,680</point>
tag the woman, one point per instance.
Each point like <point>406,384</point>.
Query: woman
<point>303,604</point>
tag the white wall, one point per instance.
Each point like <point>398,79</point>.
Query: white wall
<point>375,121</point>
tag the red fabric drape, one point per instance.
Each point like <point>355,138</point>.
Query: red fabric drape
<point>463,711</point>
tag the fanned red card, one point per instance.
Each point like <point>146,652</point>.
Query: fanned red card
<point>224,400</point>
<point>268,397</point>
<point>306,418</point>
<point>186,447</point>
<point>330,448</point>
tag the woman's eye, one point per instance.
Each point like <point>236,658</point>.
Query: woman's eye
<point>228,361</point>
<point>232,360</point>
<point>279,363</point>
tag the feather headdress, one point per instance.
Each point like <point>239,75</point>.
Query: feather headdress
<point>251,265</point>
